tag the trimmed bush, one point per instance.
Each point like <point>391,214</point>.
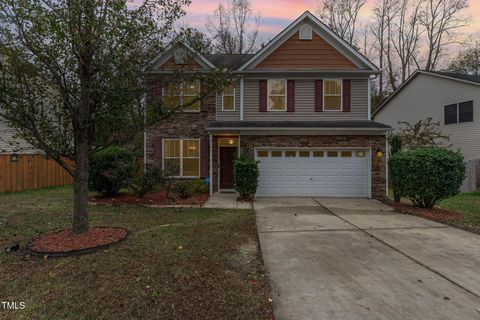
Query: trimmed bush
<point>180,189</point>
<point>427,175</point>
<point>246,174</point>
<point>145,183</point>
<point>199,186</point>
<point>110,170</point>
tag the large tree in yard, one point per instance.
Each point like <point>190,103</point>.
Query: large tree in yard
<point>72,78</point>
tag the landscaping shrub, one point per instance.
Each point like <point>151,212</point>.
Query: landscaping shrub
<point>199,186</point>
<point>396,144</point>
<point>427,175</point>
<point>110,170</point>
<point>145,183</point>
<point>246,175</point>
<point>180,189</point>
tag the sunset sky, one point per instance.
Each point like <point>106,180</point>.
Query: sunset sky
<point>277,14</point>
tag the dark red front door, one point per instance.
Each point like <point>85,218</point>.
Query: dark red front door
<point>227,155</point>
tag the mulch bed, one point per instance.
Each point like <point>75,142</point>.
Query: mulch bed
<point>66,242</point>
<point>435,214</point>
<point>157,199</point>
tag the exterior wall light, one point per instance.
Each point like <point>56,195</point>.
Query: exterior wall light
<point>379,154</point>
<point>14,157</point>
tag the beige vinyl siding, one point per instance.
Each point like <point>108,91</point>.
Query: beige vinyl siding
<point>228,115</point>
<point>11,143</point>
<point>305,103</point>
<point>426,96</point>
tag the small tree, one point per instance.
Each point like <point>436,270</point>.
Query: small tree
<point>72,76</point>
<point>246,174</point>
<point>467,62</point>
<point>424,133</point>
<point>427,175</point>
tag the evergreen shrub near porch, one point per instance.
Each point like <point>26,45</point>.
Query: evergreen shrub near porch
<point>427,175</point>
<point>246,172</point>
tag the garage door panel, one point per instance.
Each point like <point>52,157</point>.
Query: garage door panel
<point>313,176</point>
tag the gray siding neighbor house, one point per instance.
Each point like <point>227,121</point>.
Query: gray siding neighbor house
<point>451,99</point>
<point>301,106</point>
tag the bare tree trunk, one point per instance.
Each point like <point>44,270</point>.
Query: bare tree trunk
<point>80,211</point>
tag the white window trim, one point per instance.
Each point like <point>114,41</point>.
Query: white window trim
<point>341,95</point>
<point>276,95</point>
<point>182,85</point>
<point>223,101</point>
<point>181,157</point>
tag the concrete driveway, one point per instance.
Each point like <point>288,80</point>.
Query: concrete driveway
<point>356,259</point>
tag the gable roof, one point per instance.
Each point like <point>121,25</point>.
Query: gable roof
<point>459,76</point>
<point>308,17</point>
<point>161,58</point>
<point>465,78</point>
<point>231,61</point>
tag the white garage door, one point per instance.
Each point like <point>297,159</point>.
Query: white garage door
<point>301,172</point>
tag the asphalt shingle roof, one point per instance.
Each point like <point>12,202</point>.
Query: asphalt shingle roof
<point>466,77</point>
<point>232,61</point>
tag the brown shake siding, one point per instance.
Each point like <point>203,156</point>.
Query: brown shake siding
<point>296,53</point>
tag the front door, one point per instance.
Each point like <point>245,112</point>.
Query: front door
<point>227,155</point>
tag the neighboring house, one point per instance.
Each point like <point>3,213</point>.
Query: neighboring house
<point>451,99</point>
<point>301,106</point>
<point>23,167</point>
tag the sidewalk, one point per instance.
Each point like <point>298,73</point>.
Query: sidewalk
<point>226,201</point>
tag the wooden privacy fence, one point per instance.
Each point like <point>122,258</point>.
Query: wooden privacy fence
<point>30,172</point>
<point>472,176</point>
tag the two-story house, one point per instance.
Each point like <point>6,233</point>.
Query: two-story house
<point>301,106</point>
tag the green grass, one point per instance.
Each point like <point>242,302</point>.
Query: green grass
<point>176,263</point>
<point>468,206</point>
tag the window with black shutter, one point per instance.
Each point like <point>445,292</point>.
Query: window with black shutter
<point>465,111</point>
<point>451,114</point>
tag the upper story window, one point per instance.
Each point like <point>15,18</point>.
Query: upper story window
<point>183,93</point>
<point>459,112</point>
<point>277,95</point>
<point>228,98</point>
<point>332,95</point>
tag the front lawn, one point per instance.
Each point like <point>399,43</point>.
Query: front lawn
<point>468,206</point>
<point>176,264</point>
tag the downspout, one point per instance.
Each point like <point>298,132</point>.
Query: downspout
<point>241,97</point>
<point>145,137</point>
<point>210,147</point>
<point>369,99</point>
<point>387,156</point>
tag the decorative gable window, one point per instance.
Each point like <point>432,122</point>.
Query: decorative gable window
<point>332,95</point>
<point>228,98</point>
<point>306,32</point>
<point>277,95</point>
<point>182,157</point>
<point>180,56</point>
<point>183,93</point>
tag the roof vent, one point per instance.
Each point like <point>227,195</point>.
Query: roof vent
<point>306,32</point>
<point>180,56</point>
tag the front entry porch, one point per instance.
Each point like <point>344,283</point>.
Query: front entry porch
<point>224,149</point>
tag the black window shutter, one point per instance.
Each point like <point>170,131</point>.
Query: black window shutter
<point>465,111</point>
<point>451,114</point>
